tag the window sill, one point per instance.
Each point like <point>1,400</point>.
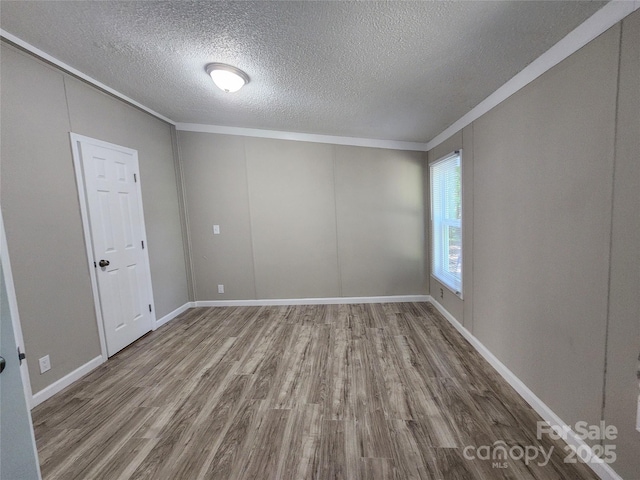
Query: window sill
<point>444,285</point>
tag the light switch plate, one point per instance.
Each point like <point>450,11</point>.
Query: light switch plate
<point>216,229</point>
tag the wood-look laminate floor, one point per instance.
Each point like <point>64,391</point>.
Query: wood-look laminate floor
<point>380,391</point>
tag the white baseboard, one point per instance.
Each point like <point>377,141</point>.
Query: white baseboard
<point>170,316</point>
<point>79,372</point>
<point>312,301</point>
<point>603,470</point>
<point>65,381</point>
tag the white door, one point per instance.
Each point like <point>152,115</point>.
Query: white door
<point>18,456</point>
<point>112,189</point>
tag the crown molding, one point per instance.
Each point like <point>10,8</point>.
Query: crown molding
<point>77,73</point>
<point>302,137</point>
<point>598,23</point>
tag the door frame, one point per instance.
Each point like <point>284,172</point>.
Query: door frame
<point>76,139</point>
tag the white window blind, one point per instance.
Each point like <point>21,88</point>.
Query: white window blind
<point>446,221</point>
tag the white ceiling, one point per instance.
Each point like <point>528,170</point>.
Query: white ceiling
<point>395,70</point>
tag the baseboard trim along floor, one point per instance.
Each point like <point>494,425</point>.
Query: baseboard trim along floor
<point>171,315</point>
<point>65,381</point>
<point>603,470</point>
<point>312,301</point>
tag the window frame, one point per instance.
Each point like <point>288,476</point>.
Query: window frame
<point>438,226</point>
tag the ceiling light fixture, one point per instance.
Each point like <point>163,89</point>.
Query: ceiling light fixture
<point>227,78</point>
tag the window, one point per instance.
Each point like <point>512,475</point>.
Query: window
<point>446,221</point>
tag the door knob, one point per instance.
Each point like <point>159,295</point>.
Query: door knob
<point>2,364</point>
<point>103,263</point>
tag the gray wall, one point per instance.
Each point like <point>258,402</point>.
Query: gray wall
<point>541,232</point>
<point>621,393</point>
<point>293,219</point>
<point>379,202</point>
<point>302,219</point>
<point>552,167</point>
<point>40,106</point>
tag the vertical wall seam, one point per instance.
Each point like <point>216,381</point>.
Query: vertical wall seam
<point>66,102</point>
<point>335,210</point>
<point>253,251</point>
<point>473,216</point>
<point>184,215</point>
<point>613,186</point>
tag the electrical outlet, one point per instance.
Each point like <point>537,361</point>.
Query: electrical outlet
<point>220,288</point>
<point>45,364</point>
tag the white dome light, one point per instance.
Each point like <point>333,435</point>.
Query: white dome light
<point>227,78</point>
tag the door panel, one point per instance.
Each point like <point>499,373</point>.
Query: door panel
<point>18,456</point>
<point>117,233</point>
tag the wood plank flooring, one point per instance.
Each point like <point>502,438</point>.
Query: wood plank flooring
<point>375,391</point>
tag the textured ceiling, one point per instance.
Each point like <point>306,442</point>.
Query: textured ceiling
<point>384,70</point>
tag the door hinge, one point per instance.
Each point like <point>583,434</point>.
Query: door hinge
<point>142,241</point>
<point>21,356</point>
<point>135,178</point>
<point>149,307</point>
<point>95,265</point>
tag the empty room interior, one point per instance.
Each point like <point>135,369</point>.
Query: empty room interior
<point>404,244</point>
